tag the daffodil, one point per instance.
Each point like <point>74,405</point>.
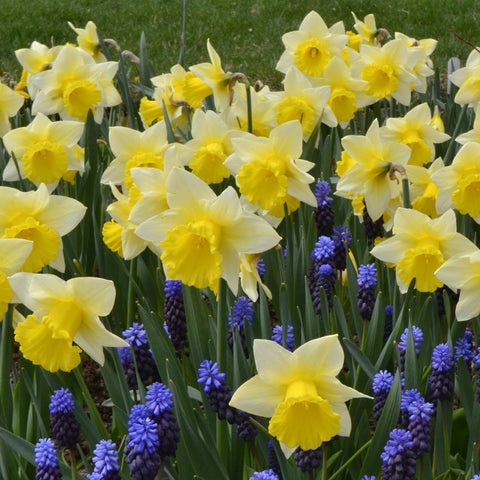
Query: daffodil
<point>209,147</point>
<point>299,391</point>
<point>10,104</point>
<point>302,101</point>
<point>75,85</point>
<point>419,246</point>
<point>347,94</point>
<point>42,218</point>
<point>423,68</point>
<point>459,182</point>
<point>202,235</point>
<point>367,29</point>
<point>423,190</point>
<point>13,253</point>
<point>36,59</point>
<point>134,149</point>
<point>468,81</point>
<point>269,172</point>
<point>311,47</point>
<point>463,272</point>
<point>63,312</point>
<point>375,173</point>
<point>262,109</point>
<point>130,244</point>
<point>43,150</point>
<point>250,278</point>
<point>472,135</point>
<point>87,39</point>
<point>387,70</point>
<point>415,131</point>
<point>213,75</point>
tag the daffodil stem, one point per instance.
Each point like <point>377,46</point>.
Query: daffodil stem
<point>131,293</point>
<point>406,193</point>
<point>350,460</point>
<point>259,426</point>
<point>89,401</point>
<point>249,109</point>
<point>453,143</point>
<point>324,462</point>
<point>446,445</point>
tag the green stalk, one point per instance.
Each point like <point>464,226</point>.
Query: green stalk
<point>451,145</point>
<point>131,293</point>
<point>249,109</point>
<point>324,462</point>
<point>406,193</point>
<point>350,460</point>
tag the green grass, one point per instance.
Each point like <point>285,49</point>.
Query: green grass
<point>246,34</point>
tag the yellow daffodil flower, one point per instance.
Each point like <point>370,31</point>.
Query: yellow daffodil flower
<point>75,85</point>
<point>269,172</point>
<point>472,135</point>
<point>468,81</point>
<point>423,191</point>
<point>10,104</point>
<point>212,74</point>
<point>13,253</point>
<point>43,150</point>
<point>250,278</point>
<point>299,391</point>
<point>209,147</point>
<point>387,70</point>
<point>304,102</point>
<point>131,244</point>
<point>415,131</point>
<point>423,68</point>
<point>41,218</point>
<point>463,272</point>
<point>459,183</point>
<point>311,47</point>
<point>419,246</point>
<point>347,93</point>
<point>367,29</point>
<point>87,39</point>
<point>134,149</point>
<point>375,173</point>
<point>202,235</point>
<point>263,110</point>
<point>63,312</point>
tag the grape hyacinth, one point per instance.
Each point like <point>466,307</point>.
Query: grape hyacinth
<point>464,348</point>
<point>408,397</point>
<point>242,310</point>
<point>64,427</point>
<point>441,379</point>
<point>46,461</point>
<point>158,401</point>
<point>373,229</point>
<point>476,366</point>
<point>342,239</point>
<point>273,460</point>
<point>420,413</point>
<point>141,450</point>
<point>105,460</point>
<point>219,395</point>
<point>136,337</point>
<point>264,475</point>
<point>417,335</point>
<point>308,460</point>
<point>322,272</point>
<point>277,336</point>
<point>367,282</point>
<point>398,457</point>
<point>382,383</point>
<point>388,322</point>
<point>174,315</point>
<point>323,213</point>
